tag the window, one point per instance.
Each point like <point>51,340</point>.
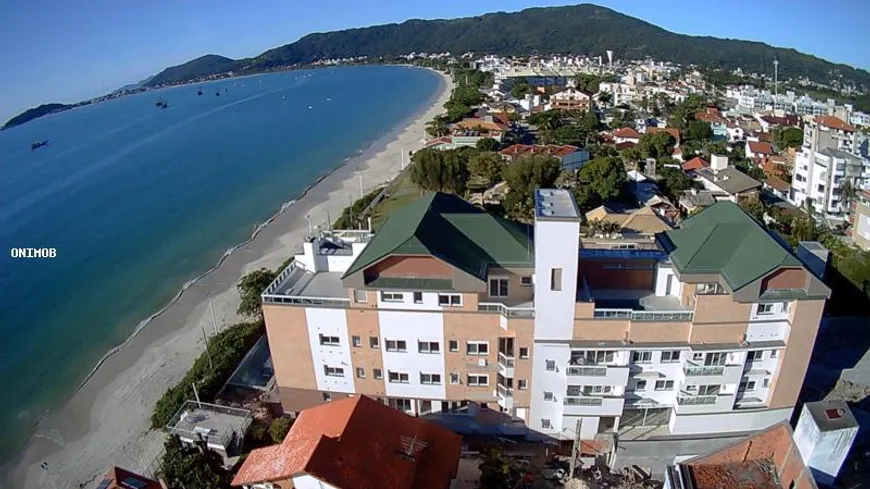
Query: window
<point>709,288</point>
<point>524,352</point>
<point>453,345</point>
<point>392,297</point>
<point>401,404</point>
<point>377,373</point>
<point>374,342</point>
<point>356,341</point>
<point>398,377</point>
<point>764,309</point>
<point>329,340</point>
<point>478,380</point>
<point>550,365</point>
<point>526,281</point>
<point>671,356</point>
<point>522,384</point>
<point>641,357</point>
<point>556,279</point>
<point>589,390</point>
<point>430,379</point>
<point>754,356</point>
<point>708,390</point>
<point>359,295</point>
<point>591,357</point>
<point>396,345</point>
<point>360,373</point>
<point>450,300</point>
<point>428,346</point>
<point>545,424</point>
<point>498,287</point>
<point>640,385</point>
<point>766,383</point>
<point>425,407</point>
<point>548,396</point>
<point>454,378</point>
<point>697,357</point>
<point>664,385</point>
<point>774,353</point>
<point>715,359</point>
<point>333,371</point>
<point>418,297</point>
<point>747,385</point>
<point>327,396</point>
<point>477,348</point>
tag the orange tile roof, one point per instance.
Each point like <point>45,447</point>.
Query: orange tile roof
<point>760,147</point>
<point>359,443</point>
<point>833,122</point>
<point>777,183</point>
<point>119,478</point>
<point>673,131</point>
<point>539,149</point>
<point>626,132</point>
<point>625,145</point>
<point>480,123</point>
<point>695,164</point>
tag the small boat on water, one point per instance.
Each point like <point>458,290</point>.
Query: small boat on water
<point>217,94</point>
<point>199,92</point>
<point>38,144</point>
<point>161,104</point>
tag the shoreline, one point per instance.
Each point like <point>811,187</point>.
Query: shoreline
<point>106,421</point>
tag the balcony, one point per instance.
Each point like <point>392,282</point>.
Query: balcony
<point>690,404</point>
<point>506,365</point>
<point>524,310</point>
<point>598,374</point>
<point>691,371</point>
<point>300,287</point>
<point>712,374</point>
<point>639,305</point>
<point>593,406</point>
<point>505,396</point>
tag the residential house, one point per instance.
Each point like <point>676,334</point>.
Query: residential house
<point>727,182</point>
<point>830,132</point>
<point>634,225</point>
<point>759,150</point>
<point>355,443</point>
<point>694,200</point>
<point>821,175</point>
<point>469,131</point>
<point>626,135</point>
<point>570,99</point>
<point>694,164</point>
<point>767,460</point>
<point>777,186</point>
<point>118,478</point>
<point>572,157</point>
<point>448,309</point>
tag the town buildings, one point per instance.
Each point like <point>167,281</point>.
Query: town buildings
<point>450,311</point>
<point>571,157</point>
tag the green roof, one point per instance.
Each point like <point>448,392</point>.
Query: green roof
<point>722,239</point>
<point>450,229</point>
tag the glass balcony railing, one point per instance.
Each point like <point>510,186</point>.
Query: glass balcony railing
<point>588,371</point>
<point>505,360</point>
<point>698,371</point>
<point>505,391</point>
<point>583,401</point>
<point>695,400</point>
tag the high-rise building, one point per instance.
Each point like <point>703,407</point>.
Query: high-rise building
<point>448,309</point>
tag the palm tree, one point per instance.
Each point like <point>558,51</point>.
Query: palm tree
<point>849,194</point>
<point>604,98</point>
<point>437,127</point>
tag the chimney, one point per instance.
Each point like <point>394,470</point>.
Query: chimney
<point>718,162</point>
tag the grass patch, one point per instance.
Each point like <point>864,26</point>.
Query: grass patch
<point>345,222</point>
<point>401,192</point>
<point>227,349</point>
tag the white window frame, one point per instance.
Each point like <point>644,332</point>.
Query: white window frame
<point>522,384</point>
<point>326,396</point>
<point>426,347</point>
<point>498,280</point>
<point>640,385</point>
<point>356,341</point>
<point>450,300</point>
<point>329,340</point>
<point>360,299</point>
<point>765,308</point>
<point>400,377</point>
<point>522,350</point>
<point>546,424</point>
<point>416,300</point>
<point>392,296</point>
<point>526,281</point>
<point>377,373</point>
<point>674,356</point>
<point>454,378</point>
<point>549,396</point>
<point>476,348</point>
<point>333,371</point>
<point>641,357</point>
<point>360,373</point>
<point>453,345</point>
<point>774,353</point>
<point>754,356</point>
<point>766,383</point>
<point>374,342</point>
<point>476,382</point>
<point>399,346</point>
<point>664,385</point>
<point>709,390</point>
<point>430,379</point>
<point>697,357</point>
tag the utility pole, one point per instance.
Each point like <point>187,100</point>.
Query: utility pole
<point>574,449</point>
<point>359,174</point>
<point>207,350</point>
<point>213,320</point>
<point>775,77</point>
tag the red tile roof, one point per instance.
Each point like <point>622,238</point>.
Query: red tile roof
<point>515,150</point>
<point>437,141</point>
<point>359,443</point>
<point>626,132</point>
<point>695,164</point>
<point>119,478</point>
<point>673,131</point>
<point>480,123</point>
<point>760,147</point>
<point>833,123</point>
<point>777,183</point>
<point>625,145</point>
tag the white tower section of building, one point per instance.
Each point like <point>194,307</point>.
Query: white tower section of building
<point>609,59</point>
<point>557,248</point>
<point>824,435</point>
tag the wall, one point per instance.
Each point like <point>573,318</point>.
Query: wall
<point>804,318</point>
<point>463,327</point>
<point>601,277</point>
<point>330,322</point>
<point>735,421</point>
<point>556,246</point>
<point>410,266</point>
<point>785,278</point>
<point>555,381</point>
<point>364,323</point>
<point>289,346</point>
<point>661,282</point>
<point>411,327</point>
<point>309,482</point>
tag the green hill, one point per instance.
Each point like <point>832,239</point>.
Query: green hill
<point>209,64</point>
<point>34,113</point>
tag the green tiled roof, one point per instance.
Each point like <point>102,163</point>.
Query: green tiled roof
<point>722,239</point>
<point>450,229</point>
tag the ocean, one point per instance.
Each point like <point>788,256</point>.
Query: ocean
<point>138,200</point>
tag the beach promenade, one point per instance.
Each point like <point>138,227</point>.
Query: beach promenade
<point>106,422</point>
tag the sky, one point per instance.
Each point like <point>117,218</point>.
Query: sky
<point>66,51</point>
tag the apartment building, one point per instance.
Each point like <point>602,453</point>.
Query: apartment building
<point>705,328</point>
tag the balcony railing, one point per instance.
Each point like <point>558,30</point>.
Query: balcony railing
<point>583,401</point>
<point>504,391</point>
<point>588,371</point>
<point>698,371</point>
<point>695,400</point>
<point>505,361</point>
<point>519,312</point>
<point>653,316</point>
<point>305,301</point>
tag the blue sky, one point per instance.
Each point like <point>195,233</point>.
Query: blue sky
<point>67,50</point>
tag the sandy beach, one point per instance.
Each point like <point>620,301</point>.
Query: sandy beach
<point>106,422</point>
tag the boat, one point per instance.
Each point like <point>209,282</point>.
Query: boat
<point>217,94</point>
<point>161,104</point>
<point>38,144</point>
<point>310,107</point>
<point>199,92</point>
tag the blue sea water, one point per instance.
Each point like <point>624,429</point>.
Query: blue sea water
<point>137,200</point>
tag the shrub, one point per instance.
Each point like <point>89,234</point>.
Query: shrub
<point>279,428</point>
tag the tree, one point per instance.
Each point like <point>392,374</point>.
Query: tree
<point>523,176</point>
<point>441,171</point>
<point>192,467</point>
<point>674,181</point>
<point>848,193</point>
<point>589,124</point>
<point>699,131</point>
<point>684,112</point>
<point>279,428</point>
<point>437,127</point>
<point>754,208</point>
<point>656,145</point>
<point>587,82</point>
<point>606,177</point>
<point>549,120</point>
<point>567,134</point>
<point>495,470</point>
<point>486,166</point>
<point>487,144</point>
<point>520,89</point>
<point>789,137</point>
<point>605,98</point>
<point>251,287</point>
<point>623,118</point>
